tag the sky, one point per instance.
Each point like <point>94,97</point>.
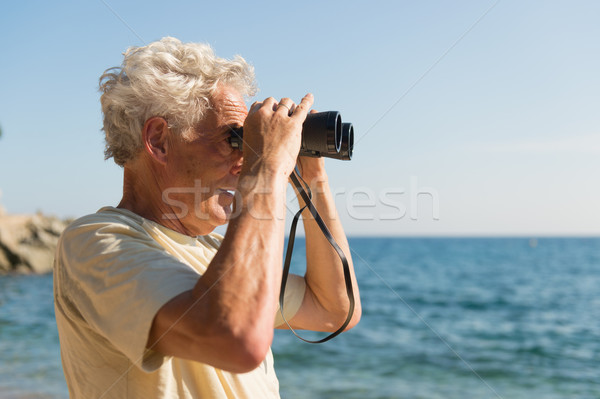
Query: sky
<point>472,118</point>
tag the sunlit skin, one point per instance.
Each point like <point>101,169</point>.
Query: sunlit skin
<point>195,174</point>
<point>205,157</point>
<point>227,319</point>
<point>196,184</point>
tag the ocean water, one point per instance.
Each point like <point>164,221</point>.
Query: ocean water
<point>442,318</point>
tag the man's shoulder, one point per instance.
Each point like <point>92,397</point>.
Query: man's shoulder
<point>108,215</point>
<point>108,231</point>
<point>105,218</point>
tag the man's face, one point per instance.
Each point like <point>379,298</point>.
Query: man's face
<point>205,162</point>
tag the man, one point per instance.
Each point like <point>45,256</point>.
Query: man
<point>150,303</point>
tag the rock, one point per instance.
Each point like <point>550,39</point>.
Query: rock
<point>28,242</point>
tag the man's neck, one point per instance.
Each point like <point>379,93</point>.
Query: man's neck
<point>143,195</point>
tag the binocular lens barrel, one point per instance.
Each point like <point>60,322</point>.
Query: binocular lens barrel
<point>345,153</point>
<point>323,135</point>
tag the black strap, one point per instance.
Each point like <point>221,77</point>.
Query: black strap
<point>306,195</point>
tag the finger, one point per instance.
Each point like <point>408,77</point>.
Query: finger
<point>286,106</point>
<point>313,111</point>
<point>255,105</point>
<point>302,109</point>
<point>270,103</point>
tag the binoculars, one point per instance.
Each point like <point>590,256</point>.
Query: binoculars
<point>323,135</point>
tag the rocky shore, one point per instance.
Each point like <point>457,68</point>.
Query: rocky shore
<point>27,242</point>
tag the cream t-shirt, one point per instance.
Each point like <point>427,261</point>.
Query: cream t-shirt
<point>113,271</point>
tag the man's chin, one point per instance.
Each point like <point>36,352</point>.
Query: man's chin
<point>224,216</point>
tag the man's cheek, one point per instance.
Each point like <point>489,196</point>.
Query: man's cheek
<point>224,148</point>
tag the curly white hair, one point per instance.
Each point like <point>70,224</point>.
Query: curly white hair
<point>166,78</point>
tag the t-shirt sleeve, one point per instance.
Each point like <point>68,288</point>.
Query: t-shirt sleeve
<point>116,278</point>
<point>292,298</point>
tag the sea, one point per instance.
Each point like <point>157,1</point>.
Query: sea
<point>442,318</point>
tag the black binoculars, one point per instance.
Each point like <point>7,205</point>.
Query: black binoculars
<point>323,135</point>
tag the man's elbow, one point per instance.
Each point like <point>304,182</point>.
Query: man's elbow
<point>244,353</point>
<point>236,352</point>
<point>249,356</point>
<point>337,318</point>
<point>356,315</point>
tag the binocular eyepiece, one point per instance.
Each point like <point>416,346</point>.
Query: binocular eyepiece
<point>323,135</point>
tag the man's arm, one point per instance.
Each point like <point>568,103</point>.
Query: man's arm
<point>326,304</point>
<point>227,319</point>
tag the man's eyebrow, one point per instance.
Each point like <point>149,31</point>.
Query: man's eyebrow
<point>233,126</point>
<point>223,132</point>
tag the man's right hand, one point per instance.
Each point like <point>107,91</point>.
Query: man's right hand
<point>272,135</point>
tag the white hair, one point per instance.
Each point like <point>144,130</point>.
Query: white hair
<point>167,78</point>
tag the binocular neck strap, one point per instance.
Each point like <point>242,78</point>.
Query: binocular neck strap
<point>306,195</point>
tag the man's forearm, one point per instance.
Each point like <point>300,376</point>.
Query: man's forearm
<point>244,277</point>
<point>227,319</point>
<point>324,274</point>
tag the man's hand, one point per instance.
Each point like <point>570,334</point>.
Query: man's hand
<point>272,135</point>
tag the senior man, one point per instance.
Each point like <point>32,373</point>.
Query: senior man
<point>150,302</point>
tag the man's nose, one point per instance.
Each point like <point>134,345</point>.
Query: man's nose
<point>238,160</point>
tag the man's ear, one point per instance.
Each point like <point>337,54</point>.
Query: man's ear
<point>155,138</point>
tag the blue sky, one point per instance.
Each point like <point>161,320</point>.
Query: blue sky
<point>471,117</point>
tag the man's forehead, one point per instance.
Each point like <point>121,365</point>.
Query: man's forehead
<point>228,109</point>
<point>228,99</point>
